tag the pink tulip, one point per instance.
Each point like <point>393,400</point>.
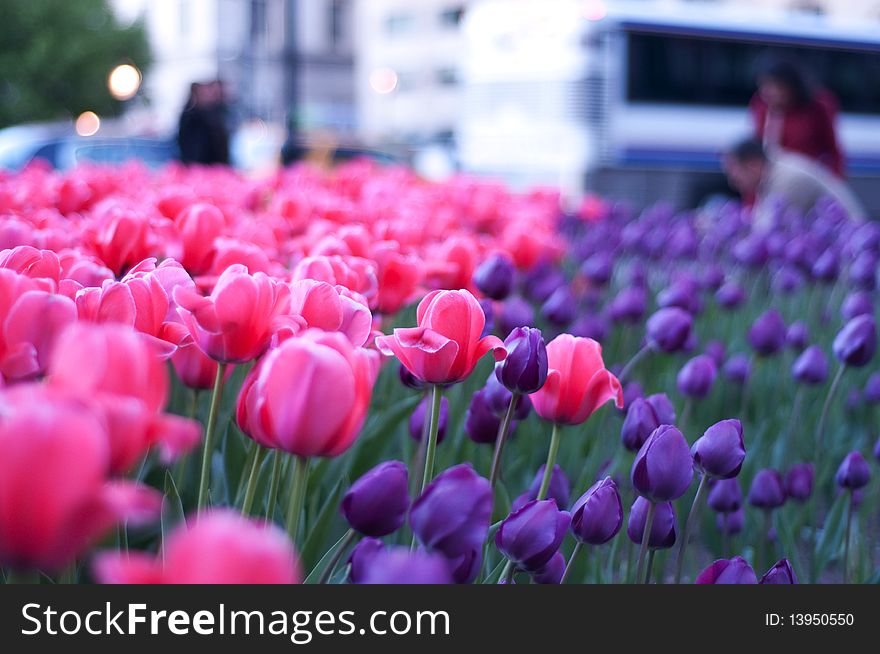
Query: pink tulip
<point>399,277</point>
<point>332,309</point>
<point>446,345</point>
<point>577,381</point>
<point>194,368</point>
<point>220,548</point>
<point>309,396</point>
<point>199,225</point>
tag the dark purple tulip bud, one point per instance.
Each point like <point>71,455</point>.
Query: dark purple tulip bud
<point>481,422</point>
<point>728,571</point>
<point>767,334</point>
<point>515,312</point>
<point>532,535</point>
<point>589,325</point>
<point>629,305</point>
<point>498,399</point>
<point>730,295</point>
<point>752,250</point>
<point>737,368</point>
<point>725,496</point>
<point>376,504</point>
<point>597,515</point>
<point>682,294</point>
<point>717,351</point>
<point>781,573</point>
<point>662,408</point>
<point>360,557</point>
<point>720,451</point>
<point>768,490</point>
<point>799,481</point>
<point>598,268</point>
<point>872,389</point>
<point>488,307</point>
<point>559,490</point>
<point>787,280</point>
<point>731,523</point>
<point>811,367</point>
<point>494,277</point>
<point>422,414</point>
<point>712,278</point>
<point>452,514</point>
<point>669,329</point>
<point>398,565</point>
<point>797,337</point>
<point>631,392</point>
<point>465,567</point>
<point>826,267</point>
<point>552,572</point>
<point>409,380</point>
<point>856,304</point>
<point>663,468</point>
<point>540,282</point>
<point>854,472</point>
<point>559,309</point>
<point>640,422</point>
<point>524,370</point>
<point>662,530</point>
<point>855,344</point>
<point>863,271</point>
<point>696,377</point>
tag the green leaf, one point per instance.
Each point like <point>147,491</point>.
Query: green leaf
<point>832,535</point>
<point>318,529</point>
<point>173,513</point>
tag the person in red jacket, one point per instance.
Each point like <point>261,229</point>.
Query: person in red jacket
<point>788,113</point>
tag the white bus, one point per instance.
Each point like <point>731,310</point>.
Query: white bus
<point>638,100</point>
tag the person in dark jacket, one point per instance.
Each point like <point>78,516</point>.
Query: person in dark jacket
<point>203,134</point>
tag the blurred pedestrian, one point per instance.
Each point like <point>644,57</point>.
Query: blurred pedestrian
<point>203,134</point>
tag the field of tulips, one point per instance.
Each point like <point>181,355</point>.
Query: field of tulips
<point>358,376</point>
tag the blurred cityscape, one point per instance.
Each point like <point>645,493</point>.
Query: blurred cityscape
<point>635,98</point>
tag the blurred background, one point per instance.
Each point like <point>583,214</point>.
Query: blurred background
<point>632,99</point>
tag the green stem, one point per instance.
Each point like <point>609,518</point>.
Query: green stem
<point>205,480</point>
<point>253,478</point>
<point>820,428</point>
<point>632,363</point>
<point>688,525</point>
<point>650,566</point>
<point>350,535</point>
<point>430,453</point>
<point>766,546</point>
<point>646,536</point>
<point>571,560</point>
<point>551,460</point>
<point>297,494</point>
<point>507,573</point>
<point>273,485</point>
<point>849,516</point>
<point>501,439</point>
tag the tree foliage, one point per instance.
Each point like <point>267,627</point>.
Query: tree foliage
<point>55,56</point>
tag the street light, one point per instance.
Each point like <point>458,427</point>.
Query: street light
<point>124,81</point>
<point>87,123</point>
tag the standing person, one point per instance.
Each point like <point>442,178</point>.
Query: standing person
<point>192,131</point>
<point>217,115</point>
<point>790,114</point>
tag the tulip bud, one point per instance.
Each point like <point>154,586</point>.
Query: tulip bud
<point>552,572</point>
<point>767,491</point>
<point>731,523</point>
<point>597,515</point>
<point>559,308</point>
<point>498,399</point>
<point>531,536</point>
<point>863,271</point>
<point>716,351</point>
<point>669,329</point>
<point>376,504</point>
<point>663,468</point>
<point>854,472</point>
<point>559,489</point>
<point>811,367</point>
<point>730,295</point>
<point>481,422</point>
<point>422,414</point>
<point>494,277</point>
<point>598,268</point>
<point>767,334</point>
<point>540,282</point>
<point>629,305</point>
<point>826,267</point>
<point>855,344</point>
<point>524,371</point>
<point>855,304</point>
<point>737,368</point>
<point>728,571</point>
<point>410,380</point>
<point>720,451</point>
<point>797,336</point>
<point>725,496</point>
<point>640,422</point>
<point>360,557</point>
<point>780,573</point>
<point>465,567</point>
<point>662,530</point>
<point>515,312</point>
<point>799,481</point>
<point>696,377</point>
<point>589,325</point>
<point>872,389</point>
<point>398,565</point>
<point>683,294</point>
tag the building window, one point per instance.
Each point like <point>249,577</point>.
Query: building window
<point>451,17</point>
<point>446,76</point>
<point>399,23</point>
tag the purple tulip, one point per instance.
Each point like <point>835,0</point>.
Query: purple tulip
<point>663,408</point>
<point>410,380</point>
<point>531,536</point>
<point>863,271</point>
<point>731,523</point>
<point>730,295</point>
<point>696,377</point>
<point>552,572</point>
<point>737,368</point>
<point>589,325</point>
<point>524,370</point>
<point>515,312</point>
<point>856,304</point>
<point>559,489</point>
<point>717,351</point>
<point>827,266</point>
<point>855,344</point>
<point>598,268</point>
<point>640,422</point>
<point>780,573</point>
<point>663,468</point>
<point>632,391</point>
<point>629,305</point>
<point>494,277</point>
<point>797,337</point>
<point>787,280</point>
<point>712,277</point>
<point>452,514</point>
<point>720,451</point>
<point>559,308</point>
<point>725,496</point>
<point>360,558</point>
<point>872,389</point>
<point>683,294</point>
<point>465,567</point>
<point>854,472</point>
<point>811,367</point>
<point>662,529</point>
<point>597,515</point>
<point>376,504</point>
<point>398,565</point>
<point>488,307</point>
<point>498,399</point>
<point>540,282</point>
<point>752,250</point>
<point>481,422</point>
<point>422,414</point>
<point>767,334</point>
<point>768,490</point>
<point>799,481</point>
<point>728,571</point>
<point>669,329</point>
